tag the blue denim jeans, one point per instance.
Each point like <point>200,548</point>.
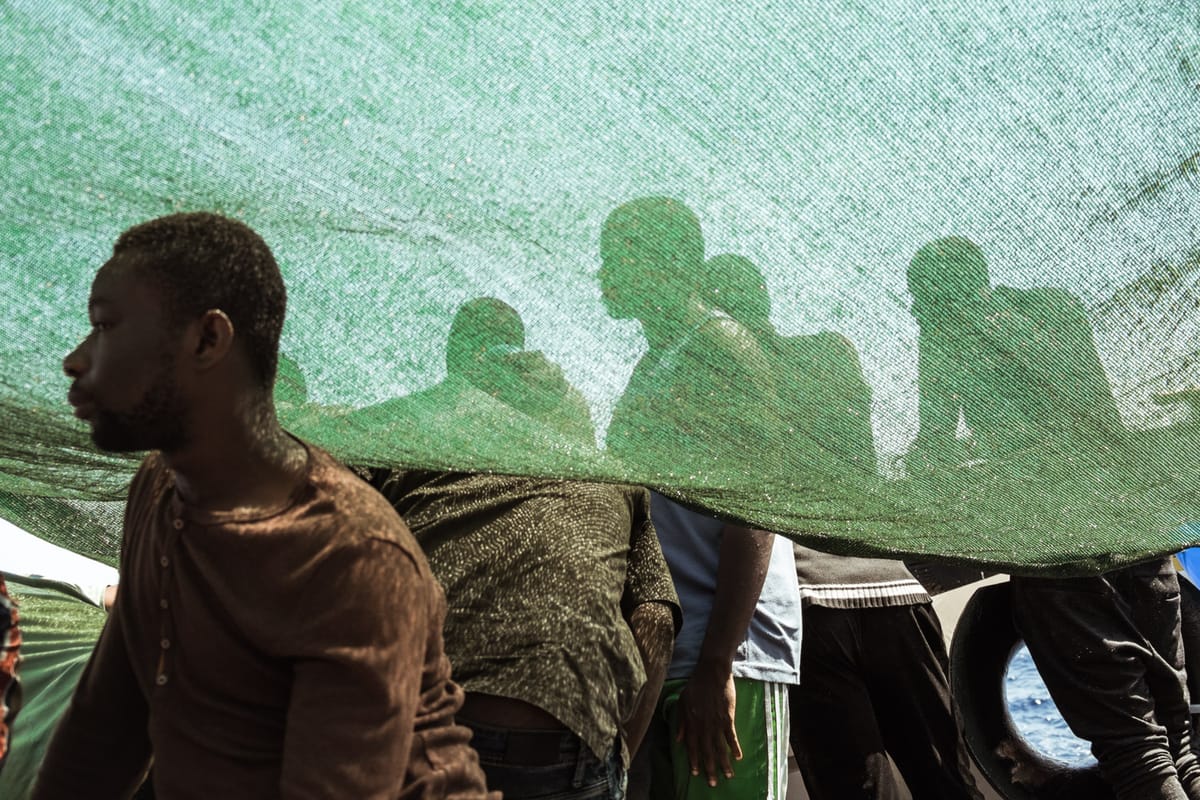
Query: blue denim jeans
<point>545,765</point>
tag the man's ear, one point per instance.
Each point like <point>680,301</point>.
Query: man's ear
<point>214,340</point>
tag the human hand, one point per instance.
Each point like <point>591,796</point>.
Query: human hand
<point>706,713</point>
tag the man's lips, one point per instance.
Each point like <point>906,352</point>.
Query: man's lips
<point>82,403</point>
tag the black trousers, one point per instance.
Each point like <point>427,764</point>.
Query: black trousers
<point>873,683</point>
<point>1110,652</point>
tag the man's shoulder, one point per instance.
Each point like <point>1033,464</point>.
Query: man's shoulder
<point>153,466</point>
<point>1041,301</point>
<point>824,355</point>
<point>449,508</point>
<point>361,513</point>
<point>726,334</point>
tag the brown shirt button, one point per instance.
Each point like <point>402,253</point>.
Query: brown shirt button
<point>161,680</point>
<point>164,561</point>
<point>178,524</point>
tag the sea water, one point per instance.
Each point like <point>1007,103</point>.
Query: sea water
<point>1036,717</point>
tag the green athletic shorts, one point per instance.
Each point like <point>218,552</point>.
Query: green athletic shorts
<point>761,722</point>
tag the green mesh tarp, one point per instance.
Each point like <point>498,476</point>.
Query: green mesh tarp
<point>59,634</point>
<point>972,329</point>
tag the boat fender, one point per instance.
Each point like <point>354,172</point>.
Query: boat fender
<point>983,644</point>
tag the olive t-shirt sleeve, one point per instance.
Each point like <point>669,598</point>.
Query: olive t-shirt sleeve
<point>648,580</point>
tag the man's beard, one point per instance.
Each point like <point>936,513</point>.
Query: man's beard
<point>155,423</point>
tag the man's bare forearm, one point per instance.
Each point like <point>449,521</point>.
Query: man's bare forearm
<point>744,557</point>
<point>653,629</point>
<point>708,703</point>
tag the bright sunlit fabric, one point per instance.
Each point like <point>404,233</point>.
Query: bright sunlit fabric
<point>925,284</point>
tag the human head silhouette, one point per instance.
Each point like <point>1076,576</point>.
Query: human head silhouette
<point>479,326</point>
<point>948,279</point>
<point>651,254</point>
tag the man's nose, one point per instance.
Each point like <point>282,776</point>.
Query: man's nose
<point>75,362</point>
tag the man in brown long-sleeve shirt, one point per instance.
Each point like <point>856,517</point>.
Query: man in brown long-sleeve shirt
<point>278,631</point>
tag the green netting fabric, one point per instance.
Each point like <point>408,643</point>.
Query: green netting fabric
<point>925,283</point>
<point>59,635</point>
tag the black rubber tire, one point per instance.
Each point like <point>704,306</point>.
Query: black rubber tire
<point>984,642</point>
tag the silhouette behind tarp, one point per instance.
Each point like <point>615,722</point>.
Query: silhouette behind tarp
<point>1019,366</point>
<point>488,376</point>
<point>1017,415</point>
<point>704,377</point>
<point>818,379</point>
<point>402,163</point>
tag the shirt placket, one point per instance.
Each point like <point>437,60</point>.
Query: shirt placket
<point>166,564</point>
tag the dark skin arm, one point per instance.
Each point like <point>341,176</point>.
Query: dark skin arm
<point>654,631</point>
<point>708,702</point>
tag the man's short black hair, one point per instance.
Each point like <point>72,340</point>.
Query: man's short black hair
<point>204,261</point>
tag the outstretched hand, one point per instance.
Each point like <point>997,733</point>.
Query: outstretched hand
<point>706,712</point>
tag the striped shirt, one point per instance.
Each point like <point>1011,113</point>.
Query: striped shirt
<point>845,582</point>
